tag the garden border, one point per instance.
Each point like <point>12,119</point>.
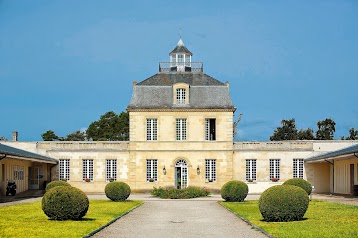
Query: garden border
<point>248,222</point>
<point>112,221</point>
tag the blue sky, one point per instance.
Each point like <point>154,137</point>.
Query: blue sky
<point>64,63</point>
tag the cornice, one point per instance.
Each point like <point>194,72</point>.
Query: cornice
<point>181,109</point>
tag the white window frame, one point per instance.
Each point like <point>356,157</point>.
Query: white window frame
<point>298,168</point>
<point>87,169</point>
<point>64,173</point>
<point>152,170</point>
<point>19,172</point>
<point>274,169</point>
<point>111,170</point>
<point>181,95</point>
<point>180,129</point>
<point>210,170</point>
<point>152,129</point>
<point>251,170</point>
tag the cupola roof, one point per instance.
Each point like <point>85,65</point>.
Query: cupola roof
<point>180,48</point>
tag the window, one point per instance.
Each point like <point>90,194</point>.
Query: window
<point>210,128</point>
<point>251,170</point>
<point>180,58</point>
<point>152,129</point>
<point>111,170</point>
<point>64,169</point>
<point>210,170</point>
<point>87,170</point>
<point>298,168</point>
<point>181,129</point>
<point>152,170</point>
<point>181,95</point>
<point>274,169</point>
<point>18,172</point>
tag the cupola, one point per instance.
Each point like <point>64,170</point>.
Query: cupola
<point>180,56</point>
<point>180,61</point>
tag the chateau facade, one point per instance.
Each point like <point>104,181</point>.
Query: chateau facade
<point>181,134</point>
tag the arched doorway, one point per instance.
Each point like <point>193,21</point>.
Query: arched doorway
<point>181,174</point>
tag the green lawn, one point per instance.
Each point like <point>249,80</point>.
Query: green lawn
<point>322,219</point>
<point>28,220</point>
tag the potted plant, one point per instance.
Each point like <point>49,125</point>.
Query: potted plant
<point>210,180</point>
<point>111,179</point>
<point>274,179</point>
<point>151,180</point>
<point>250,180</point>
<point>87,180</point>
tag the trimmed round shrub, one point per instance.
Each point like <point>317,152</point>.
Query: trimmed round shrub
<point>300,183</point>
<point>283,203</point>
<point>55,184</point>
<point>234,191</point>
<point>117,191</point>
<point>65,203</point>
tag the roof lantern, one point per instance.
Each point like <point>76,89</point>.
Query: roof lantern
<point>180,61</point>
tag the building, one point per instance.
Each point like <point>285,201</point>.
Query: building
<point>181,134</point>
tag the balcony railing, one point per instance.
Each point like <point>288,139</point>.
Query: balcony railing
<point>173,67</point>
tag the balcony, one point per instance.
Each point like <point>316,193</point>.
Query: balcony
<point>174,67</point>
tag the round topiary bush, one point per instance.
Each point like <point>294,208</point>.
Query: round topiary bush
<point>300,183</point>
<point>283,203</point>
<point>65,203</point>
<point>234,191</point>
<point>117,191</point>
<point>55,184</point>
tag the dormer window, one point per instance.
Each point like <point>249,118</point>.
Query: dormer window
<point>181,95</point>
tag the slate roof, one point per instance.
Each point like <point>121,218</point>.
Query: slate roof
<point>180,48</point>
<point>330,155</point>
<point>11,151</point>
<point>205,92</point>
<point>193,79</point>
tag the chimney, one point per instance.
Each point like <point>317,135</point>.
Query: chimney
<point>15,136</point>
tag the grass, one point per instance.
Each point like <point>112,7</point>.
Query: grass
<point>322,219</point>
<point>28,220</point>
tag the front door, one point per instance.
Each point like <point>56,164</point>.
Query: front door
<point>34,181</point>
<point>181,174</point>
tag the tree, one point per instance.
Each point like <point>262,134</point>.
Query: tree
<point>49,136</point>
<point>326,129</point>
<point>287,131</point>
<point>235,124</point>
<point>110,127</point>
<point>305,134</point>
<point>76,136</point>
<point>353,135</point>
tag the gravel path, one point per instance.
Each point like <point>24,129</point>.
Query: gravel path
<point>180,218</point>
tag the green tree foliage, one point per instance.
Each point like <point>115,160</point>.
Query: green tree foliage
<point>49,136</point>
<point>287,131</point>
<point>305,134</point>
<point>110,127</point>
<point>326,129</point>
<point>353,135</point>
<point>76,136</point>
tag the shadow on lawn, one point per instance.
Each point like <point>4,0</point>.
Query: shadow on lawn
<point>302,219</point>
<point>82,219</point>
